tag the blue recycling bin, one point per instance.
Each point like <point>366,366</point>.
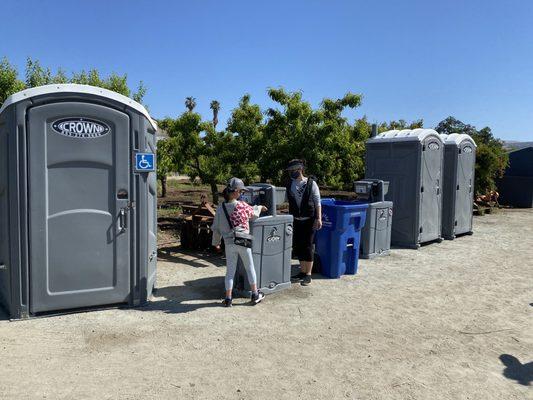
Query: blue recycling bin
<point>337,243</point>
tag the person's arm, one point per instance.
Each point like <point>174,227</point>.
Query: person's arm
<point>315,194</point>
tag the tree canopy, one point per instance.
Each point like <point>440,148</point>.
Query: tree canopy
<point>37,75</point>
<point>491,157</point>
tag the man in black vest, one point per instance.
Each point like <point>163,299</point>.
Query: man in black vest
<point>304,204</point>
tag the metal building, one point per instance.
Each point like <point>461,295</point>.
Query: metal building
<point>77,200</point>
<point>516,185</point>
<point>411,161</point>
<point>458,185</point>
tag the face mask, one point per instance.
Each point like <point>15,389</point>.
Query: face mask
<point>295,174</point>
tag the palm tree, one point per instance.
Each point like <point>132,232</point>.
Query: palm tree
<point>190,103</point>
<point>215,106</point>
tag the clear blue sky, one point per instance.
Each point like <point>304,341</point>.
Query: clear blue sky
<point>410,59</point>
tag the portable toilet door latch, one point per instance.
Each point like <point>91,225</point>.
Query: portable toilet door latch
<point>123,217</point>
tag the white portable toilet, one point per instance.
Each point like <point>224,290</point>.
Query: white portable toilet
<point>78,200</point>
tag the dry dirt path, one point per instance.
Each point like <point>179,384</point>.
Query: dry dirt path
<point>427,324</point>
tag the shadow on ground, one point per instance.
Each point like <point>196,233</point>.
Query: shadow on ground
<point>516,371</point>
<point>175,299</point>
<point>199,259</point>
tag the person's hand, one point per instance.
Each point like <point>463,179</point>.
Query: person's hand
<point>317,225</point>
<point>264,209</point>
<point>217,248</point>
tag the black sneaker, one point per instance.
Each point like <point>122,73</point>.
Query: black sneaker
<point>227,302</point>
<point>306,281</point>
<point>298,277</point>
<point>257,298</point>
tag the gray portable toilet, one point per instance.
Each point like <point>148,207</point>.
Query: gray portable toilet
<point>411,161</point>
<point>77,222</point>
<point>458,185</point>
<point>272,242</point>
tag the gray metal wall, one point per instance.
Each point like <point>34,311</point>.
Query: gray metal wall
<point>26,254</point>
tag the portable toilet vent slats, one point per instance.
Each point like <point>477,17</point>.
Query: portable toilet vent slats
<point>458,185</point>
<point>411,161</point>
<point>78,224</point>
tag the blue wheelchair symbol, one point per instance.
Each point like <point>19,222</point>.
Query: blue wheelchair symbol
<point>144,162</point>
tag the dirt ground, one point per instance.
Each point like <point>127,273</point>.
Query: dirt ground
<point>429,324</point>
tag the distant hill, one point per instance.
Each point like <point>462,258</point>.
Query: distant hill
<point>516,145</point>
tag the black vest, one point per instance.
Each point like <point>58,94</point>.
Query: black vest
<point>307,207</point>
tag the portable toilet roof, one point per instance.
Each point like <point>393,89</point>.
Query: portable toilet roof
<point>418,134</point>
<point>457,138</point>
<point>63,88</point>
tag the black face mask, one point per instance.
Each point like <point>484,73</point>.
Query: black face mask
<point>295,174</point>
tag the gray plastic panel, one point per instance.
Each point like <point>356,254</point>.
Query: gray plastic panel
<point>79,256</point>
<point>431,190</point>
<point>458,188</point>
<point>376,234</point>
<point>5,286</point>
<point>272,248</point>
<point>399,164</point>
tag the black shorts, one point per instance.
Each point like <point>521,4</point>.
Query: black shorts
<point>303,239</point>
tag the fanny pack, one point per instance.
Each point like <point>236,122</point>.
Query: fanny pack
<point>240,238</point>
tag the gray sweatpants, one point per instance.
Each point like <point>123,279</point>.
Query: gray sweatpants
<point>233,253</point>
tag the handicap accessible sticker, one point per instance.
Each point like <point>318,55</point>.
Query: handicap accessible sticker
<point>144,162</point>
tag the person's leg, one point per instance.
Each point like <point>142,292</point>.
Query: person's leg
<point>307,254</point>
<point>232,257</point>
<point>297,247</point>
<point>248,263</point>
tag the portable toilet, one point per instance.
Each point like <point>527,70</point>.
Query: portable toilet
<point>411,161</point>
<point>78,200</point>
<point>458,185</point>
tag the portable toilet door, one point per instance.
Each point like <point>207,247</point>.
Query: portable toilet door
<point>431,188</point>
<point>458,189</point>
<point>89,238</point>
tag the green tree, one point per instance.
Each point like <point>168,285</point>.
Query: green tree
<point>246,147</point>
<point>215,106</point>
<point>202,152</point>
<point>167,150</point>
<point>491,157</point>
<point>400,124</point>
<point>9,82</point>
<point>37,75</point>
<point>322,137</point>
<point>190,103</point>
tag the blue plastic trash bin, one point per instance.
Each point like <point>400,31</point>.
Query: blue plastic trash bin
<point>337,243</point>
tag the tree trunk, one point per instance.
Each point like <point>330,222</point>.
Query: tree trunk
<point>214,192</point>
<point>164,186</point>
